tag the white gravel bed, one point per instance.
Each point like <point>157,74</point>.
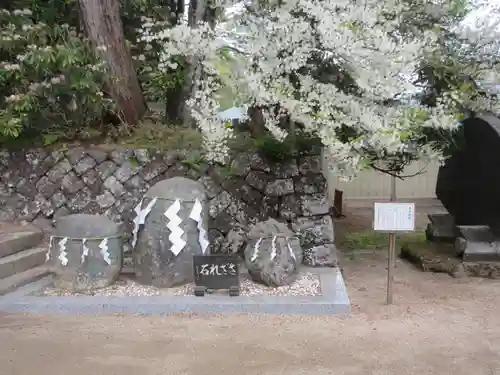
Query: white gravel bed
<point>307,284</point>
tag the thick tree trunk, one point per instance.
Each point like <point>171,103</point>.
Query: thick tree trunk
<point>104,28</point>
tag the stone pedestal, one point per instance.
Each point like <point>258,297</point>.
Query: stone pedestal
<point>441,228</point>
<point>173,231</point>
<point>86,252</point>
<point>477,243</point>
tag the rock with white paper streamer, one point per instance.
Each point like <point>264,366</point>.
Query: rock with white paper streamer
<point>273,255</point>
<point>86,252</point>
<point>172,233</point>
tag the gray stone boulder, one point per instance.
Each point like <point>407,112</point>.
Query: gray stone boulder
<point>173,230</point>
<point>317,238</point>
<point>85,253</point>
<point>272,255</point>
<point>321,256</point>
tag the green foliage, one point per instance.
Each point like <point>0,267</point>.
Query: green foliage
<point>50,78</point>
<point>291,147</point>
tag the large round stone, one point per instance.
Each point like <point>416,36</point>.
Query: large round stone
<point>170,236</point>
<point>86,252</point>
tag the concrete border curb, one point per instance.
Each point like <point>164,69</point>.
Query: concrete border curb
<point>333,301</point>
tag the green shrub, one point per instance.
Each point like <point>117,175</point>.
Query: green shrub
<point>50,78</point>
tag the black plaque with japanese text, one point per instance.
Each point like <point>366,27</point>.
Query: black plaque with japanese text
<point>216,272</point>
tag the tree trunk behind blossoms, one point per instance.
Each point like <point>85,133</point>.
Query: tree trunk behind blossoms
<point>104,28</point>
<point>196,14</point>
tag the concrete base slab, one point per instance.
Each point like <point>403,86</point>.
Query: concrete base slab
<point>333,301</point>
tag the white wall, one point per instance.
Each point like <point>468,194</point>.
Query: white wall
<point>375,185</point>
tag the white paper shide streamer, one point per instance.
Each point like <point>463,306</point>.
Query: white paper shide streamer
<point>85,250</point>
<point>256,250</point>
<point>63,255</point>
<point>176,231</point>
<point>47,255</point>
<point>104,251</point>
<point>196,215</point>
<point>273,248</point>
<point>292,254</point>
<point>140,218</point>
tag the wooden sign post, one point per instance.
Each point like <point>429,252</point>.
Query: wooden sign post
<point>393,217</point>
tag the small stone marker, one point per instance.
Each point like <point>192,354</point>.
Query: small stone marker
<point>216,272</point>
<point>391,218</point>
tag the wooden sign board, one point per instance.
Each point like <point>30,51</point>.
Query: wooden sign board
<point>394,217</point>
<point>216,272</point>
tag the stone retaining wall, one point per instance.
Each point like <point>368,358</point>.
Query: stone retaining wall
<point>38,185</point>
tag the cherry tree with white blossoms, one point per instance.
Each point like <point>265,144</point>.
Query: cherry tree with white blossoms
<point>332,69</point>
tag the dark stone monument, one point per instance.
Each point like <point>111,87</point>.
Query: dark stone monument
<point>468,184</point>
<point>86,252</point>
<point>216,272</point>
<point>174,230</point>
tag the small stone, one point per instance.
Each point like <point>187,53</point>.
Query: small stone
<point>29,211</point>
<point>46,187</point>
<point>241,164</point>
<point>219,203</point>
<point>216,238</point>
<point>211,188</point>
<point>135,183</point>
<point>98,155</point>
<point>126,171</point>
<point>270,207</point>
<point>290,207</point>
<point>106,169</point>
<point>256,162</point>
<point>36,157</point>
<point>45,206</point>
<point>258,180</point>
<point>58,199</point>
<point>93,181</point>
<point>321,256</point>
<point>105,200</point>
<point>122,156</point>
<point>59,171</point>
<point>153,170</point>
<point>286,169</point>
<point>310,184</point>
<point>74,155</point>
<point>80,200</point>
<point>71,183</point>
<point>114,186</point>
<point>142,156</point>
<point>84,165</point>
<point>26,188</point>
<point>310,164</point>
<point>280,187</point>
<point>313,205</point>
<point>314,231</point>
<point>235,241</point>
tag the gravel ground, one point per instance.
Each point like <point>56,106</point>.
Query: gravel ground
<point>307,284</point>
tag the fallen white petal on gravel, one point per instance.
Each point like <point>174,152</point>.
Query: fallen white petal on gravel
<point>306,284</point>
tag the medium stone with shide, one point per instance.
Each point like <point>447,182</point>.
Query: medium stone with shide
<point>273,255</point>
<point>86,252</point>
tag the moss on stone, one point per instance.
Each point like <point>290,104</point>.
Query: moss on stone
<point>433,257</point>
